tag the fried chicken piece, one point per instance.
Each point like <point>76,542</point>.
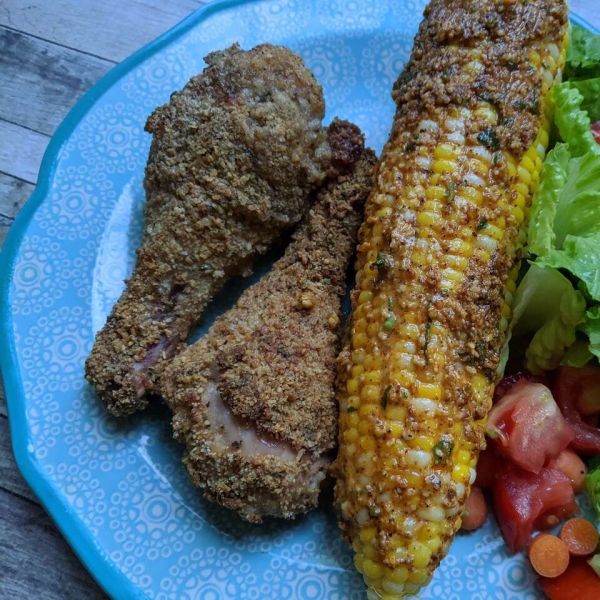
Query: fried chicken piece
<point>235,157</point>
<point>253,399</point>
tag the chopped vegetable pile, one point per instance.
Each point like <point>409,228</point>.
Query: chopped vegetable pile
<point>558,299</point>
<point>544,422</point>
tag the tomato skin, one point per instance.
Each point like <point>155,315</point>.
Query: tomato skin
<point>522,498</point>
<point>578,582</point>
<point>570,386</point>
<point>509,381</point>
<point>527,426</point>
<point>596,131</point>
<point>488,467</point>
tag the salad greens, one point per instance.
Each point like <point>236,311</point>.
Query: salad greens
<point>594,562</point>
<point>592,483</point>
<point>558,299</point>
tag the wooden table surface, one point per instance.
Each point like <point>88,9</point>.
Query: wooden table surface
<point>52,52</point>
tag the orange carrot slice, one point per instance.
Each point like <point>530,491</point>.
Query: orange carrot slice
<point>580,536</point>
<point>573,467</point>
<point>475,510</point>
<point>549,555</point>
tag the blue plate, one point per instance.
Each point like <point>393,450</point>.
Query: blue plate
<point>117,489</point>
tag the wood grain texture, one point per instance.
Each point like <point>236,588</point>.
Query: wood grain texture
<point>21,150</point>
<point>13,195</point>
<point>51,52</point>
<point>111,29</point>
<point>42,81</point>
<point>35,561</point>
<point>10,479</point>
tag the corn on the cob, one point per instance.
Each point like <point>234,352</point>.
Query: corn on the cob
<point>438,256</point>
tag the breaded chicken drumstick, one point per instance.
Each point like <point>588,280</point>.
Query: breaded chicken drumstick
<point>234,158</point>
<point>253,400</point>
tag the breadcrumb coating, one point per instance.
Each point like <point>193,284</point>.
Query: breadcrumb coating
<point>253,400</point>
<point>234,159</point>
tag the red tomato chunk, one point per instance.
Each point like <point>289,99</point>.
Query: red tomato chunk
<point>577,392</point>
<point>596,131</point>
<point>507,383</point>
<point>524,500</point>
<point>527,426</point>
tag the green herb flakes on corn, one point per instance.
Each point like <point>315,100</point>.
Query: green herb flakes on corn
<point>439,252</point>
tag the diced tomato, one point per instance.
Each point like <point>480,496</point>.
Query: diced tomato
<point>488,466</point>
<point>596,131</point>
<point>578,582</point>
<point>522,498</point>
<point>577,391</point>
<point>506,383</point>
<point>528,427</point>
<point>554,516</point>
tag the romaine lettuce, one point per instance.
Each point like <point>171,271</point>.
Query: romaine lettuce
<point>591,327</point>
<point>581,257</point>
<point>567,201</point>
<point>574,124</point>
<point>592,483</point>
<point>545,303</point>
<point>583,55</point>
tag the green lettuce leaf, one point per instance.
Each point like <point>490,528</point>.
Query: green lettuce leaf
<point>581,257</point>
<point>578,209</point>
<point>543,213</point>
<point>567,201</point>
<point>578,354</point>
<point>590,90</point>
<point>592,483</point>
<point>591,327</point>
<point>572,121</point>
<point>545,303</point>
<point>583,55</point>
<point>594,562</point>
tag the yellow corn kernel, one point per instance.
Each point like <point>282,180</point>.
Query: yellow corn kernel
<point>397,413</point>
<point>396,428</point>
<point>351,435</point>
<point>367,534</point>
<point>367,443</point>
<point>371,569</point>
<point>461,473</point>
<point>427,218</point>
<point>420,555</point>
<point>430,390</point>
<point>352,386</point>
<point>365,296</point>
<point>463,457</point>
<point>445,151</point>
<point>435,192</point>
<point>423,443</point>
<point>444,166</point>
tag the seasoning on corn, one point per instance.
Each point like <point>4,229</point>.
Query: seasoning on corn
<point>438,255</point>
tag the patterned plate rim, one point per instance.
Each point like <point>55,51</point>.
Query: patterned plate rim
<point>107,573</point>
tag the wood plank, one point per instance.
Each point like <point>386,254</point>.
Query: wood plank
<point>10,477</point>
<point>3,411</point>
<point>13,195</point>
<point>21,151</point>
<point>111,29</point>
<point>36,561</point>
<point>42,81</point>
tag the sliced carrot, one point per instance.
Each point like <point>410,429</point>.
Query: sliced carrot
<point>578,582</point>
<point>549,555</point>
<point>580,536</point>
<point>475,510</point>
<point>573,467</point>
